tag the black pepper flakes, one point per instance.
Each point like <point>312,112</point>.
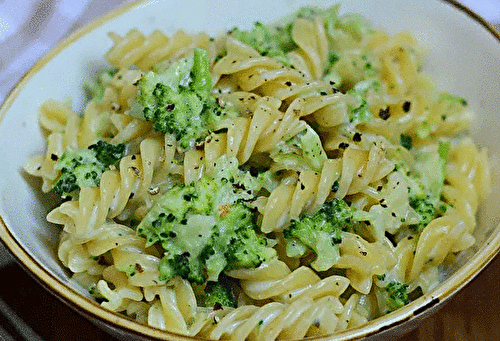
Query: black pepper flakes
<point>335,186</point>
<point>383,204</point>
<point>406,106</point>
<point>384,113</point>
<point>357,137</point>
<point>139,268</point>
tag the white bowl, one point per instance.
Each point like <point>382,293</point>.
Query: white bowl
<point>464,59</point>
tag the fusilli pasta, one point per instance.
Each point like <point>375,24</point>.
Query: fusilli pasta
<point>317,111</point>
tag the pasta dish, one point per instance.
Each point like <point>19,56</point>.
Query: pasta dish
<point>294,179</point>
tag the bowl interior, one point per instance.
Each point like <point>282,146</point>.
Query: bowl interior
<point>463,58</point>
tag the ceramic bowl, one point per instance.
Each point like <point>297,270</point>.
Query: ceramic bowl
<point>463,58</point>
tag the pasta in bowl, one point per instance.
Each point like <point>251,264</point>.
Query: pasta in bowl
<point>271,182</point>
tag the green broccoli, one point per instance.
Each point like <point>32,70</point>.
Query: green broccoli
<point>304,150</point>
<point>428,182</point>
<point>215,293</point>
<point>354,24</point>
<point>271,41</point>
<point>361,113</point>
<point>183,265</point>
<point>276,40</point>
<point>308,12</point>
<point>235,183</point>
<point>320,232</point>
<point>178,100</point>
<point>204,231</point>
<point>84,167</point>
<point>406,141</point>
<point>426,209</point>
<point>395,294</point>
<point>96,87</point>
<point>235,242</point>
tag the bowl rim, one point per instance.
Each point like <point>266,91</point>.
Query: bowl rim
<point>92,310</point>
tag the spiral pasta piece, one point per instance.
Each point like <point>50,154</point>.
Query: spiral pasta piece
<point>310,37</point>
<point>467,180</point>
<point>145,52</point>
<point>246,136</point>
<point>275,280</point>
<point>276,321</point>
<point>85,216</point>
<point>354,172</point>
<point>120,293</point>
<point>442,236</point>
<point>268,77</point>
<point>466,177</point>
<point>62,125</point>
<point>362,260</point>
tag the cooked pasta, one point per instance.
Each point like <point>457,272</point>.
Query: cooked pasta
<point>293,180</point>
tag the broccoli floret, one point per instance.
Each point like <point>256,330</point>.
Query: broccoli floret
<point>430,167</point>
<point>361,113</point>
<point>320,232</point>
<point>426,209</point>
<point>183,265</point>
<point>235,183</point>
<point>406,141</point>
<point>216,293</point>
<point>396,295</point>
<point>308,12</point>
<point>107,153</point>
<point>303,151</point>
<point>96,87</point>
<point>268,40</point>
<point>354,24</point>
<point>244,247</point>
<point>411,197</point>
<point>178,100</point>
<point>84,167</point>
<point>173,207</point>
<point>203,232</point>
<point>428,181</point>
